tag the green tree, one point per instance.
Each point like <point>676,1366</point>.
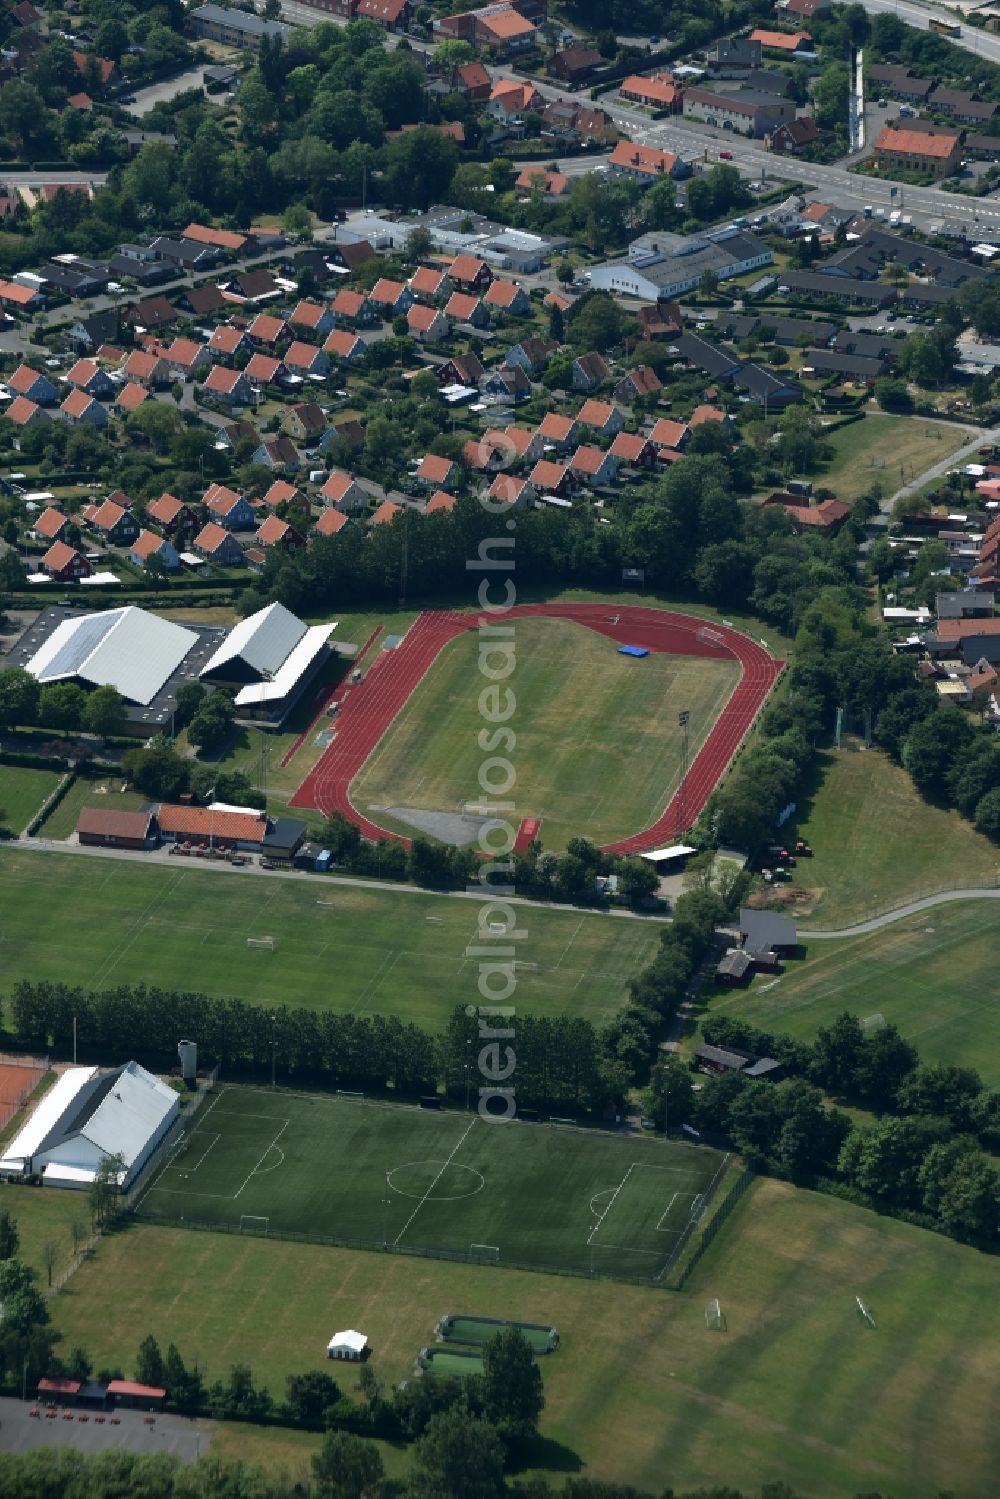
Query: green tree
<point>149,1367</point>
<point>347,1467</point>
<point>104,712</point>
<point>513,1396</point>
<point>10,1239</point>
<point>310,1395</point>
<point>104,1190</point>
<point>893,395</point>
<point>19,696</point>
<point>459,1457</point>
<point>669,1097</point>
<point>708,283</point>
<point>988,814</point>
<point>61,705</point>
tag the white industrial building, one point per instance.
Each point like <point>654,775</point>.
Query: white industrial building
<point>124,648</point>
<point>661,266</point>
<point>274,655</point>
<point>86,1116</point>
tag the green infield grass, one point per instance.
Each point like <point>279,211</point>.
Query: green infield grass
<point>382,1176</point>
<point>22,791</point>
<point>340,947</point>
<point>933,975</point>
<point>583,712</point>
<point>876,843</point>
<point>797,1389</point>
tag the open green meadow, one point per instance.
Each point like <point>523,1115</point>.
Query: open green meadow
<point>583,713</point>
<point>23,790</point>
<point>375,1175</point>
<point>339,947</point>
<point>797,1388</point>
<point>934,975</point>
<point>862,813</point>
<point>886,449</point>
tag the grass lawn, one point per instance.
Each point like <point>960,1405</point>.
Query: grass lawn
<point>45,1216</point>
<point>385,951</point>
<point>582,712</point>
<point>22,791</point>
<point>797,1389</point>
<point>933,975</point>
<point>877,843</point>
<point>892,449</point>
<point>286,1163</point>
<point>105,793</point>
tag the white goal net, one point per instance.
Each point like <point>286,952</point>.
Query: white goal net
<point>715,1319</point>
<point>251,1225</point>
<point>487,1254</point>
<point>268,944</point>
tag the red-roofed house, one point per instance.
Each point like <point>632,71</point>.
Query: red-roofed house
<point>427,324</point>
<point>428,283</point>
<point>469,273</point>
<point>275,532</point>
<point>659,91</point>
<point>440,500</point>
<point>24,413</point>
<point>283,493</point>
<point>184,357</point>
<point>262,370</point>
<point>551,478</point>
<point>434,470</point>
<point>345,347</point>
<point>507,489</point>
<point>341,492</point>
<point>219,546</point>
<point>669,434</point>
<point>635,450</point>
<point>540,179</point>
<point>313,317</point>
<point>130,397</point>
<point>107,71</point>
<point>229,509</point>
<point>561,431</point>
<point>330,523</point>
<point>116,523</point>
<point>226,387</point>
<point>267,331</point>
<point>461,307</point>
<point>782,41</point>
<point>148,545</point>
<point>392,15</point>
<point>306,359</point>
<point>171,514</point>
<point>707,414</point>
<point>643,381</point>
<point>508,298</point>
<point>386,513</point>
<point>80,407</point>
<point>88,376</point>
<point>142,368</point>
<point>601,417</point>
<point>589,371</point>
<point>50,524</point>
<point>593,466</point>
<point>644,164</point>
<point>30,383</point>
<point>391,298</point>
<point>354,308</point>
<point>226,341</point>
<point>64,564</point>
<point>225,829</point>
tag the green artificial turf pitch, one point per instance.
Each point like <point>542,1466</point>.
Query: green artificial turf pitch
<point>383,1176</point>
<point>481,1329</point>
<point>598,745</point>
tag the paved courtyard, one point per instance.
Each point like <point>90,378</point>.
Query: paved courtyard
<point>21,1432</point>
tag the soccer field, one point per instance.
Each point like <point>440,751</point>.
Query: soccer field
<point>583,713</point>
<point>343,948</point>
<point>380,1176</point>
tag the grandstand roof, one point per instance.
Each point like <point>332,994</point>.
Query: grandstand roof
<point>124,648</point>
<point>263,642</point>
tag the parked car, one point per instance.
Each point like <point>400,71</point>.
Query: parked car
<point>725,155</point>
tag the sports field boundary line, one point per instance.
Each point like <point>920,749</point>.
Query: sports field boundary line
<point>434,1183</point>
<point>263,1157</point>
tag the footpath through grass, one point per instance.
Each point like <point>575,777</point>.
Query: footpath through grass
<point>933,975</point>
<point>583,714</point>
<point>338,947</point>
<point>797,1389</point>
<point>877,843</point>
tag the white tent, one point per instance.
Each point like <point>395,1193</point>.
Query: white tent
<point>347,1345</point>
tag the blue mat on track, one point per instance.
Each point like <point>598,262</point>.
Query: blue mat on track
<point>632,650</point>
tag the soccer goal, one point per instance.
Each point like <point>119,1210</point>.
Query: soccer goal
<point>697,1207</point>
<point>873,1023</point>
<point>715,1318</point>
<point>864,1313</point>
<point>484,1254</point>
<point>349,1097</point>
<point>269,944</point>
<point>251,1225</point>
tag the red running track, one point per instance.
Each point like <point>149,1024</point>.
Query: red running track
<point>370,708</point>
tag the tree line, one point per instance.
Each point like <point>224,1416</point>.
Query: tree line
<point>923,1156</point>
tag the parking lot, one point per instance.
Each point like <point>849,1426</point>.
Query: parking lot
<point>97,1431</point>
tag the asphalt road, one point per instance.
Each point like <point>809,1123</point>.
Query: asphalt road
<point>946,897</point>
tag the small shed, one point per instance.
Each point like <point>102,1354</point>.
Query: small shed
<point>717,1059</point>
<point>766,931</point>
<point>349,1345</point>
<point>734,967</point>
<point>58,1391</point>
